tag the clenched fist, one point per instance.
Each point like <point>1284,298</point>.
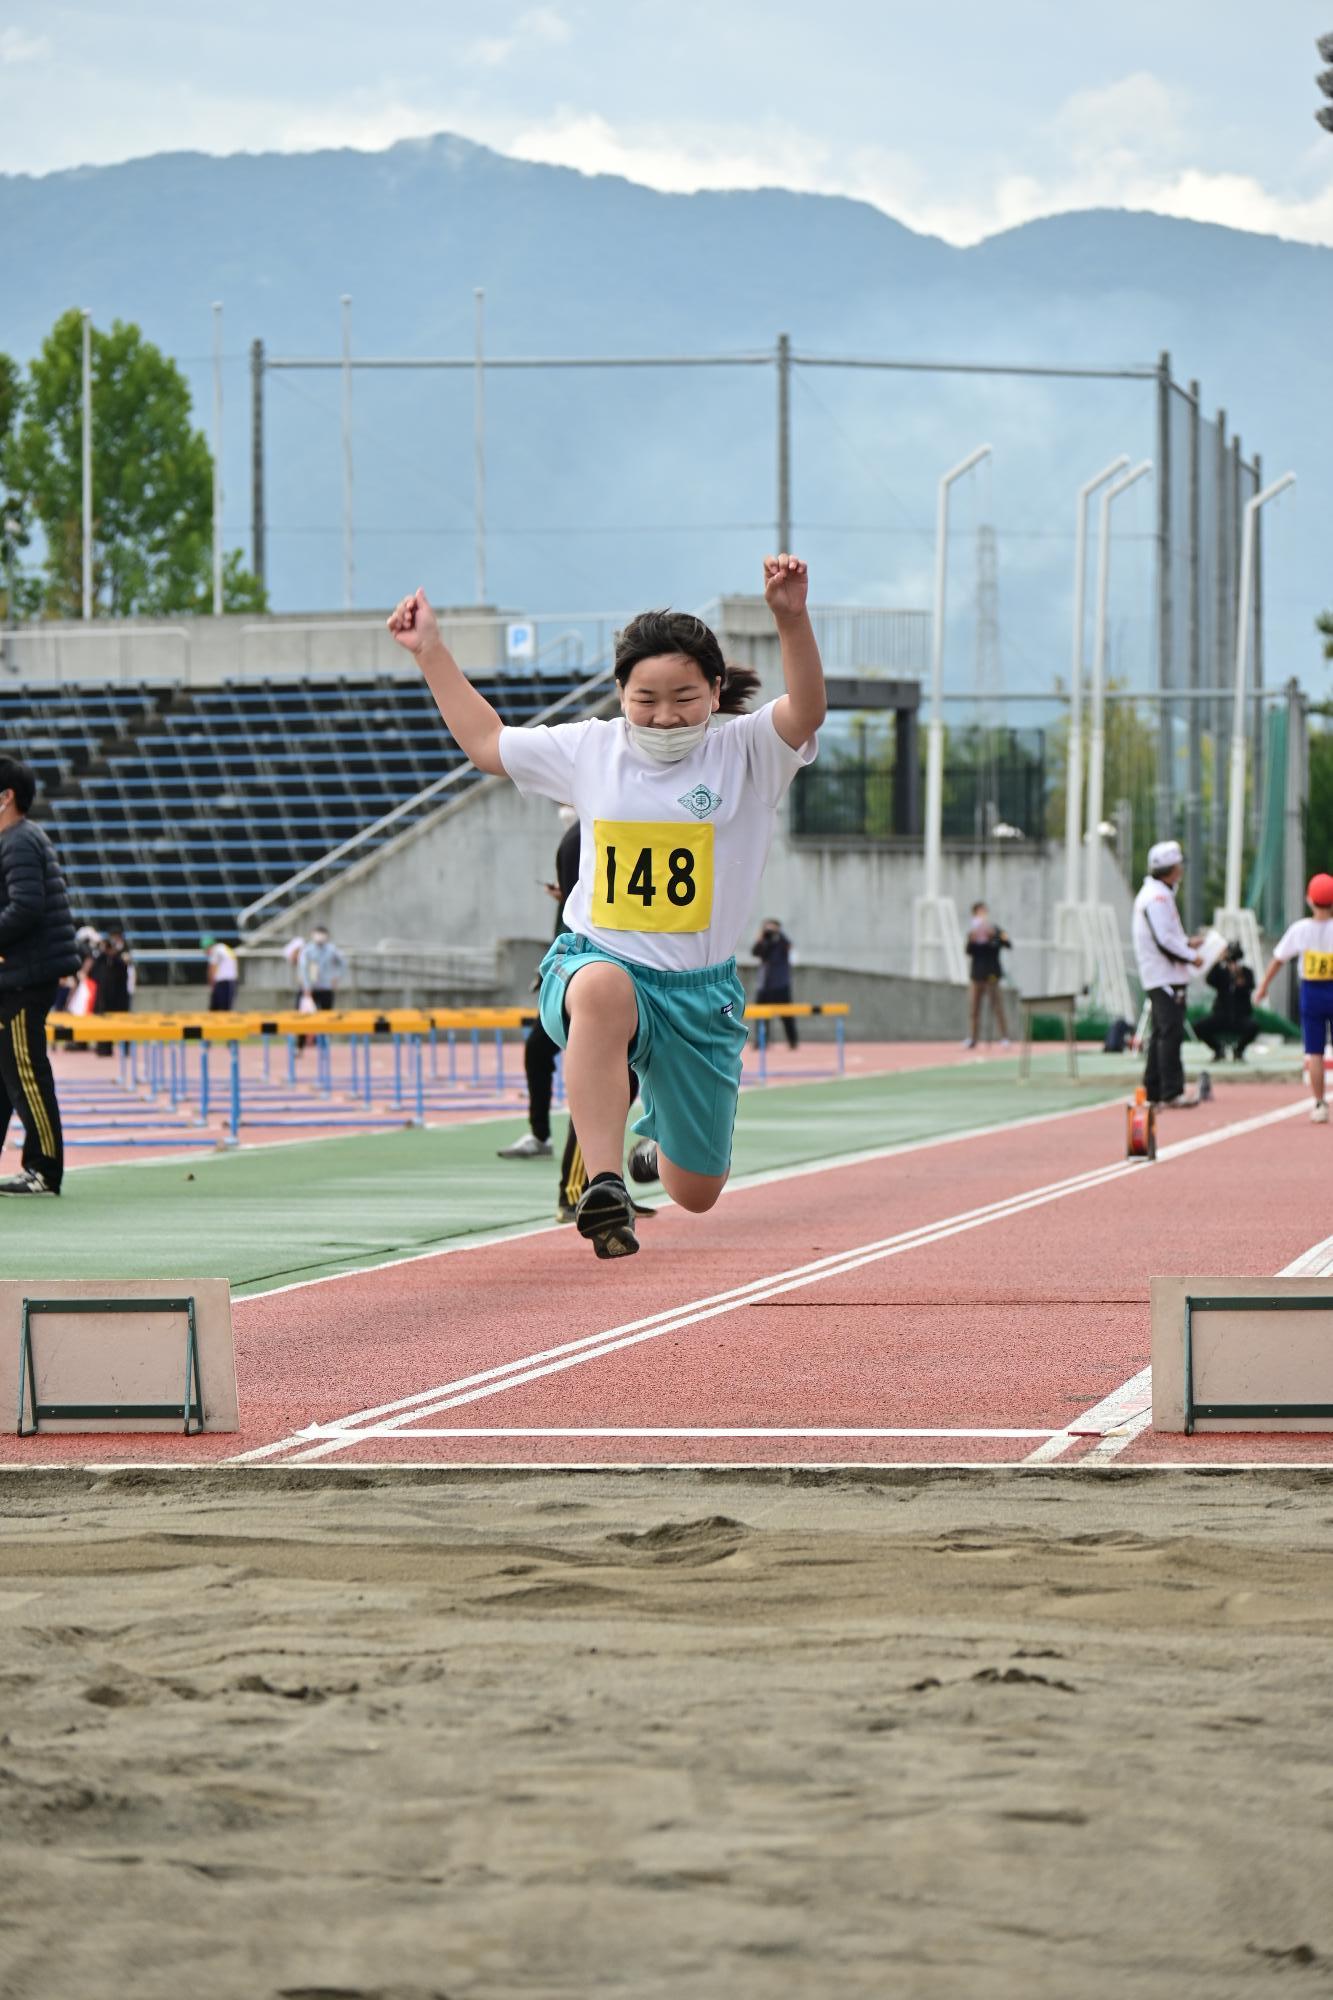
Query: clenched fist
<point>786,584</point>
<point>412,623</point>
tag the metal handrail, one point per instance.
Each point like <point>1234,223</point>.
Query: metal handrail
<point>374,835</point>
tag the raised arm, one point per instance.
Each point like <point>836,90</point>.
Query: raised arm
<point>468,716</point>
<point>798,713</point>
<point>1275,965</point>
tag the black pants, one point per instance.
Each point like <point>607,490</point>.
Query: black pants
<point>539,1054</point>
<point>26,1083</point>
<point>573,1168</point>
<point>779,996</point>
<point>1164,1074</point>
<point>222,996</point>
<point>323,997</point>
<point>1217,1033</point>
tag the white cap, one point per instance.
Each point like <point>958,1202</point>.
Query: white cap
<point>1165,854</point>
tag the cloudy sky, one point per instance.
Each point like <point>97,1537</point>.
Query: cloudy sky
<point>960,119</point>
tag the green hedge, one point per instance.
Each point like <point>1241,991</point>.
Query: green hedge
<point>1092,1027</point>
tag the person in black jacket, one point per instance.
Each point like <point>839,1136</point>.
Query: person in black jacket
<point>37,950</point>
<point>772,948</point>
<point>1232,1018</point>
<point>985,942</point>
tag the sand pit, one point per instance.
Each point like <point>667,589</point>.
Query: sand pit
<point>404,1735</point>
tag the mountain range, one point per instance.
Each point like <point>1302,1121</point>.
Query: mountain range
<point>610,489</point>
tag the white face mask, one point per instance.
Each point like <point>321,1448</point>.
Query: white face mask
<point>667,746</point>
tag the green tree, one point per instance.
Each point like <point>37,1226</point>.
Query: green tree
<point>19,594</point>
<point>152,479</point>
<point>1324,624</point>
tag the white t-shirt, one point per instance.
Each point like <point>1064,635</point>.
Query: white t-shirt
<point>1311,940</point>
<point>1164,953</point>
<point>671,854</point>
<point>223,961</point>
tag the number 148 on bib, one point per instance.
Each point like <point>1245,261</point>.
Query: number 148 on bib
<point>652,876</point>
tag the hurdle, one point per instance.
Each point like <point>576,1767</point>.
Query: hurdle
<point>761,1012</point>
<point>371,1069</point>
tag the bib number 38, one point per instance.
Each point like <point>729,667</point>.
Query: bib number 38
<point>652,876</point>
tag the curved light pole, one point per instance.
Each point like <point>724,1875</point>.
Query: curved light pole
<point>934,925</point>
<point>1236,804</point>
<point>1074,756</point>
<point>1097,744</point>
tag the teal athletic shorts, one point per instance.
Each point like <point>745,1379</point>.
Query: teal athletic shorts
<point>686,1053</point>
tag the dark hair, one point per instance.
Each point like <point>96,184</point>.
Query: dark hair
<point>976,907</point>
<point>656,632</point>
<point>18,779</point>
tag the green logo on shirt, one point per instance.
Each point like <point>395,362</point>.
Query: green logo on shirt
<point>700,801</point>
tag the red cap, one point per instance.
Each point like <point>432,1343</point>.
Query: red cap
<point>1321,890</point>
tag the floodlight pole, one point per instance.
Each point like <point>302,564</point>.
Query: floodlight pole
<point>935,725</point>
<point>87,464</point>
<point>217,458</point>
<point>349,583</point>
<point>1236,804</point>
<point>1074,755</point>
<point>1097,744</point>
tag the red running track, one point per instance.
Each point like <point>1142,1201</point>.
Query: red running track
<point>968,1303</point>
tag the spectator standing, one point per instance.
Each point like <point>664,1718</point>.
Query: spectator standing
<point>1311,940</point>
<point>1166,957</point>
<point>37,950</point>
<point>985,942</point>
<point>773,949</point>
<point>320,967</point>
<point>1232,1017</point>
<point>539,1051</point>
<point>112,977</point>
<point>223,973</point>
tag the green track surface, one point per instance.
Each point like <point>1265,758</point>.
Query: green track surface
<point>271,1216</point>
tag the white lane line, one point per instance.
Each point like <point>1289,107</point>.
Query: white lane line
<point>766,1177</point>
<point>532,1367</point>
<point>1119,1416</point>
<point>316,1431</point>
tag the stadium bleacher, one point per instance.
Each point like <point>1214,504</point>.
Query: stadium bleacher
<point>172,808</point>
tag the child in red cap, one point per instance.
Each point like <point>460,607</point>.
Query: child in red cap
<point>1311,940</point>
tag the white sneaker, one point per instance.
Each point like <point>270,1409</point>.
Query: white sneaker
<point>1319,1116</point>
<point>529,1147</point>
<point>969,1043</point>
<point>1004,1041</point>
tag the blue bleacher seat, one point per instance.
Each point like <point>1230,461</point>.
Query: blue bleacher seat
<point>173,808</point>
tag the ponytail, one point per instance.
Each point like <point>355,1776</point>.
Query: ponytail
<point>738,684</point>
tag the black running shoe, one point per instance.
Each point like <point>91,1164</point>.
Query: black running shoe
<point>28,1182</point>
<point>643,1161</point>
<point>606,1215</point>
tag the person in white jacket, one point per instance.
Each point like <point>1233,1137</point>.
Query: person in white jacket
<point>1166,957</point>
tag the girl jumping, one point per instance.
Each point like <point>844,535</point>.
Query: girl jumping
<point>677,800</point>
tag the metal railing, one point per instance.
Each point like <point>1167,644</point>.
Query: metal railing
<point>316,874</point>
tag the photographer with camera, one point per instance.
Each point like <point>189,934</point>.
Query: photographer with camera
<point>1232,1017</point>
<point>772,948</point>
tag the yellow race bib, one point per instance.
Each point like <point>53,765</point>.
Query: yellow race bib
<point>1317,965</point>
<point>652,876</point>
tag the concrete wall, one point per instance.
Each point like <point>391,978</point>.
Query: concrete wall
<point>474,871</point>
<point>200,652</point>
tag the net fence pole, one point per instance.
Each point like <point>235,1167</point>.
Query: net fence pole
<point>217,458</point>
<point>479,445</point>
<point>783,358</point>
<point>349,590</point>
<point>1194,875</point>
<point>257,537</point>
<point>1165,800</point>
